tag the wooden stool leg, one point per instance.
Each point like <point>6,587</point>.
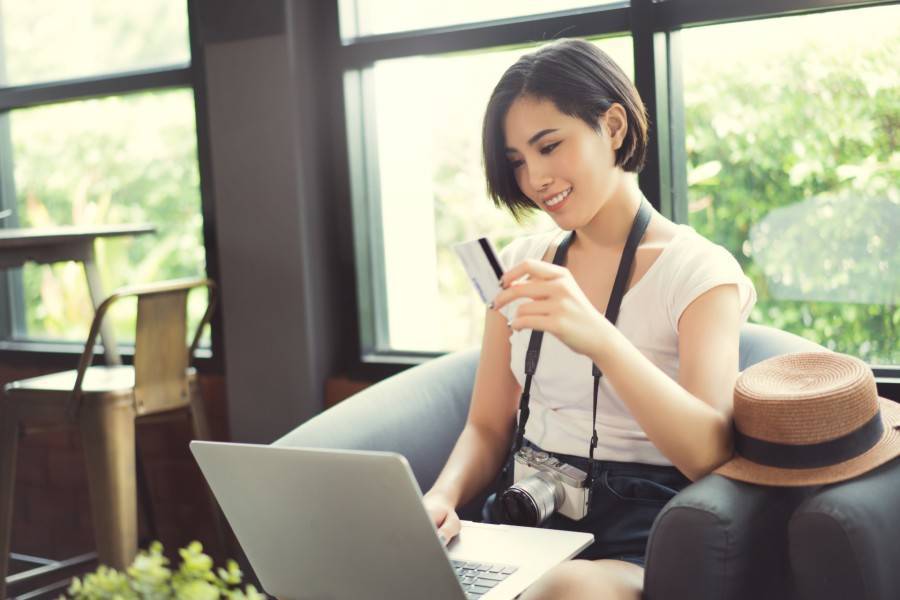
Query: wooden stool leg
<point>145,498</point>
<point>200,425</point>
<point>107,433</point>
<point>199,420</point>
<point>9,431</point>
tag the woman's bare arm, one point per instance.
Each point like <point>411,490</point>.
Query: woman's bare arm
<point>688,420</point>
<point>482,446</point>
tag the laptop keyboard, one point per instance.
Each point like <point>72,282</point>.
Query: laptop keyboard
<point>479,578</point>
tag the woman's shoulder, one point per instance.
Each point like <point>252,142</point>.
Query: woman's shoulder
<point>686,256</point>
<point>689,246</point>
<point>697,264</point>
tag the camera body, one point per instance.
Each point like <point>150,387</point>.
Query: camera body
<point>546,485</point>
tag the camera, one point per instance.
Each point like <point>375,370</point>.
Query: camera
<point>543,485</point>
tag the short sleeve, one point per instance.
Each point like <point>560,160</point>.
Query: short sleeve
<point>510,253</point>
<point>706,265</point>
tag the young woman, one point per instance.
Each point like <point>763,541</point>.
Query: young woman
<point>566,132</point>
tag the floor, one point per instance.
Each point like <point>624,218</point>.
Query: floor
<point>35,578</point>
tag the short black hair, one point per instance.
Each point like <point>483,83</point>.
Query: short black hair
<point>582,81</point>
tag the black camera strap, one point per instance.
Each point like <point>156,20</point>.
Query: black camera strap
<point>623,274</point>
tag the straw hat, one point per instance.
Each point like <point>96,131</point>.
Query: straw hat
<point>810,418</point>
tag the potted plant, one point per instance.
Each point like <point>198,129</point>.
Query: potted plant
<point>150,578</point>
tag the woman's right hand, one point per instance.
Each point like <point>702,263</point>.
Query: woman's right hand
<point>443,515</point>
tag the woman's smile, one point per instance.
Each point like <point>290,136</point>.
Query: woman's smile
<point>557,201</point>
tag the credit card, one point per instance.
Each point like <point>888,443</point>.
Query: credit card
<point>483,266</point>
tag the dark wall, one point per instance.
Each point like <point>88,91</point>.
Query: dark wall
<point>265,85</point>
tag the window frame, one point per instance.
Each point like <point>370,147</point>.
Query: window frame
<point>183,75</point>
<point>654,26</point>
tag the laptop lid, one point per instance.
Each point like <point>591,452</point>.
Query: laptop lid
<point>329,525</point>
<point>343,524</point>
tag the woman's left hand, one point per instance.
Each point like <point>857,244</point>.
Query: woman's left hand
<point>558,306</point>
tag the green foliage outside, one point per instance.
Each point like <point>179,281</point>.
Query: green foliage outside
<point>150,578</point>
<point>128,159</point>
<point>120,160</point>
<point>815,125</point>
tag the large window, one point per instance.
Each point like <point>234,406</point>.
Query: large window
<point>433,193</point>
<point>773,135</point>
<point>75,153</point>
<point>794,165</point>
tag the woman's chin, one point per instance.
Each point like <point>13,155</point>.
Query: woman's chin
<point>565,220</point>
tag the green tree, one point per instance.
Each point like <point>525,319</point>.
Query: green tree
<point>820,127</point>
<point>117,160</point>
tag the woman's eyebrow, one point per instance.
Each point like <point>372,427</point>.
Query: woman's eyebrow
<point>533,138</point>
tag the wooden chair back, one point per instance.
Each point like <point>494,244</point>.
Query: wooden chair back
<point>161,353</point>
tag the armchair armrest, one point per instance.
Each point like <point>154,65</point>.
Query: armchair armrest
<point>418,413</point>
<point>845,540</point>
<point>720,538</point>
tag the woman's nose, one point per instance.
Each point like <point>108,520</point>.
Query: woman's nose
<point>539,180</point>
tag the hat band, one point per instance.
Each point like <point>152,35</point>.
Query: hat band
<point>810,456</point>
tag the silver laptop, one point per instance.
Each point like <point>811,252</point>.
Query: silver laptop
<point>322,524</point>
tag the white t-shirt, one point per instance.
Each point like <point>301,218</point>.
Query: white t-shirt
<point>562,388</point>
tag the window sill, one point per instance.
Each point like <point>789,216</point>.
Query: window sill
<point>374,366</point>
<point>64,355</point>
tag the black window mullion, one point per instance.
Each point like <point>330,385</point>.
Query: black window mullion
<point>204,169</point>
<point>678,192</point>
<point>673,14</point>
<point>667,131</point>
<point>651,85</point>
<point>8,277</point>
<point>661,131</point>
<point>92,87</point>
<point>362,145</point>
<point>606,20</point>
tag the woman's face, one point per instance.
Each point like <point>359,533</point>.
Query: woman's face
<point>561,163</point>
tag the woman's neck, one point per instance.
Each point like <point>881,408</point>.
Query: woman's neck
<point>610,227</point>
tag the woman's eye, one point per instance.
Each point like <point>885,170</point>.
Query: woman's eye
<point>515,164</point>
<point>550,148</point>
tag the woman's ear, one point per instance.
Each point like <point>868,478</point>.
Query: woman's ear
<point>617,123</point>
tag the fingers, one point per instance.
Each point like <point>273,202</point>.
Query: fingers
<point>536,322</point>
<point>534,269</point>
<point>537,289</point>
<point>436,515</point>
<point>449,529</point>
<point>538,307</point>
<point>444,518</point>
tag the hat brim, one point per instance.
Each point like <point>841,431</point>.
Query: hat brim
<point>887,448</point>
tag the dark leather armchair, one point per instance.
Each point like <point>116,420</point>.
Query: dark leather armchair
<point>717,539</point>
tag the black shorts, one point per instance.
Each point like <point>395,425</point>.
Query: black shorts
<point>626,499</point>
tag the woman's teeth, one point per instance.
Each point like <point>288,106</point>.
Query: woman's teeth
<point>558,198</point>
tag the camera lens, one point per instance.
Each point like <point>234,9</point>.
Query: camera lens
<point>518,508</point>
<point>530,501</point>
